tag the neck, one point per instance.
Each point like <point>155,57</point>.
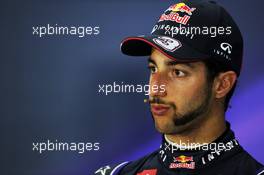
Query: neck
<point>205,130</point>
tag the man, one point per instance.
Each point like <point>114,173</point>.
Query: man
<point>196,53</point>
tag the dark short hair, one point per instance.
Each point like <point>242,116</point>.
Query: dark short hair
<point>213,70</point>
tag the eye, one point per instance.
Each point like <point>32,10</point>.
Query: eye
<point>178,73</point>
<point>152,69</point>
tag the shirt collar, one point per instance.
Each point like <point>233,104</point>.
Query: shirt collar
<point>193,156</point>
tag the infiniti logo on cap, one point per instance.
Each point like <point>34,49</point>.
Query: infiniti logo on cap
<point>226,47</point>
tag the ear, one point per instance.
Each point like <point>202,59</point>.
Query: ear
<point>224,83</point>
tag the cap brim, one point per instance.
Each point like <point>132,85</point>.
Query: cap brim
<point>142,46</point>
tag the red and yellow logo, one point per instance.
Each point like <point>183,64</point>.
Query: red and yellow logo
<point>171,14</point>
<point>181,7</point>
<point>183,162</point>
<point>183,159</point>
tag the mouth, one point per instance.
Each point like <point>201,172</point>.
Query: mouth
<point>159,109</point>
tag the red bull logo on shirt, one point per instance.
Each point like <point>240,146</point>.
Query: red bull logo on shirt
<point>172,14</point>
<point>183,159</point>
<point>183,162</point>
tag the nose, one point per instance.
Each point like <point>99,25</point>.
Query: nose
<point>158,85</point>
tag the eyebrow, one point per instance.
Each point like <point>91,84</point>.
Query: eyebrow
<point>151,61</point>
<point>173,63</point>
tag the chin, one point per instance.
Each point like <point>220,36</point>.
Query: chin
<point>164,127</point>
<point>167,127</point>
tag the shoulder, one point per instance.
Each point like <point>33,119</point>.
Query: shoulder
<point>110,170</point>
<point>125,167</point>
<point>260,172</point>
<point>132,167</point>
<point>250,165</point>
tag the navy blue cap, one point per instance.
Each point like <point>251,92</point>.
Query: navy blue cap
<point>192,30</point>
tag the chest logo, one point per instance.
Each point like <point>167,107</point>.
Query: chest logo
<point>148,172</point>
<point>183,162</point>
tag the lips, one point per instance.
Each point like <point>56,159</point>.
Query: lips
<point>159,110</point>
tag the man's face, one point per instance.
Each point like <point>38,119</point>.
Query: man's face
<point>187,95</point>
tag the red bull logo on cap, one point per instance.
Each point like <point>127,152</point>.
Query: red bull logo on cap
<point>183,162</point>
<point>174,15</point>
<point>181,7</point>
